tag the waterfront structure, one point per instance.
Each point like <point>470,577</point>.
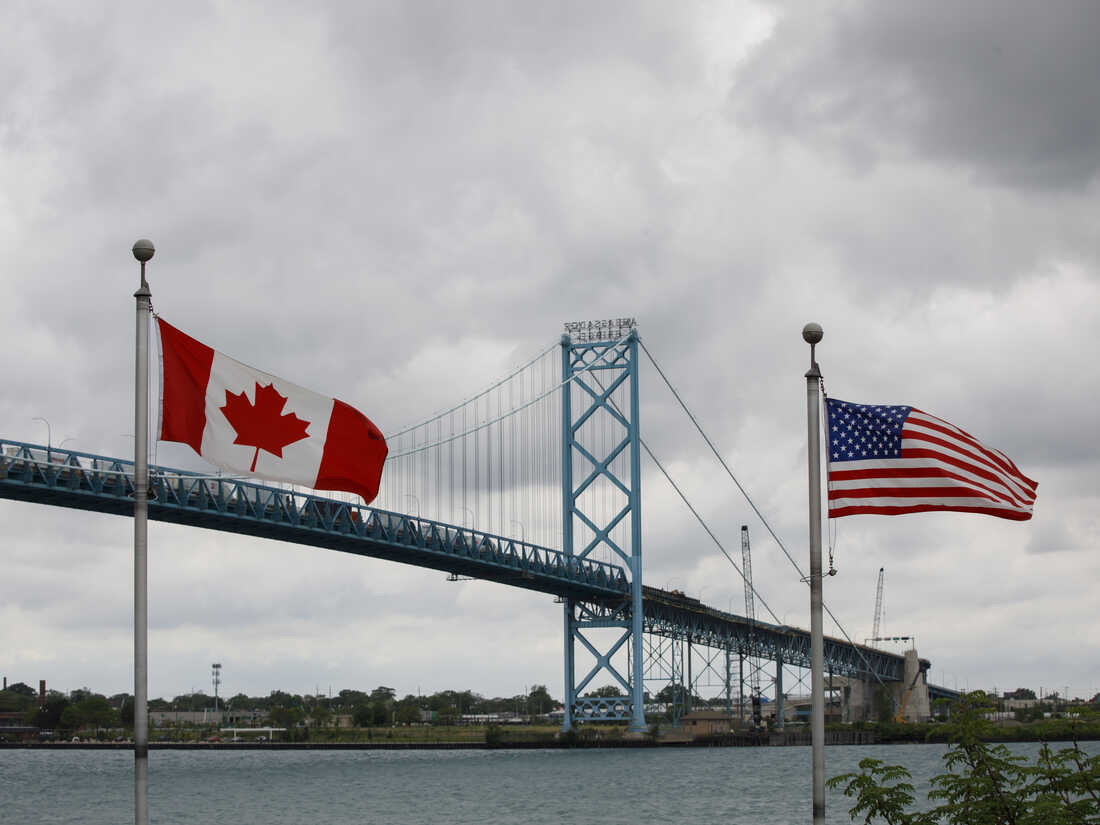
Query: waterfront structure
<point>657,635</point>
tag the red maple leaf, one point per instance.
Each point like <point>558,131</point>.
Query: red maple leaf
<point>263,426</point>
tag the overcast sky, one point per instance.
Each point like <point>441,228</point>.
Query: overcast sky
<point>394,202</point>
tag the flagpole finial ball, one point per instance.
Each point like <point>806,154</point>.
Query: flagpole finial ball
<point>812,333</point>
<point>143,249</point>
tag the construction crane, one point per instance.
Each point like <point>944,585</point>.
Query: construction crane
<point>875,637</point>
<point>899,717</point>
<point>750,614</point>
<point>878,604</point>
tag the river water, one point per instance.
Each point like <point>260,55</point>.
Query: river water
<point>701,786</point>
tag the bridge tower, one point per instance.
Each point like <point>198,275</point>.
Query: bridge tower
<point>601,463</point>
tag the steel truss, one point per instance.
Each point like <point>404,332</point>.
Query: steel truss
<point>598,367</point>
<point>68,478</point>
<point>663,670</point>
<point>670,615</point>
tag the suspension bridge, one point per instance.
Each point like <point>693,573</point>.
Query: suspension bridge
<point>554,449</point>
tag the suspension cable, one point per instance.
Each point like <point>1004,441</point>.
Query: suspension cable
<point>691,507</point>
<point>752,504</point>
<point>612,350</point>
<point>474,397</point>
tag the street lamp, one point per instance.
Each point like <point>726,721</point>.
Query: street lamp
<point>49,435</point>
<point>216,678</point>
<point>66,438</point>
<point>417,501</point>
<point>522,531</point>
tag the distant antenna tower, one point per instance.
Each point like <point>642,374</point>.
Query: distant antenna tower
<point>216,678</point>
<point>878,604</point>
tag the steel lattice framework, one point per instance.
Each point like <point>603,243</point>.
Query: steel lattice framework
<point>602,594</point>
<point>90,482</point>
<point>595,366</point>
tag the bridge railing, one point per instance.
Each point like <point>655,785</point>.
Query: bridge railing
<point>75,475</point>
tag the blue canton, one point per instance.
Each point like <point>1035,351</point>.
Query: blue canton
<point>858,432</point>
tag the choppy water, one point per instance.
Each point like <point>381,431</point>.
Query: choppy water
<point>737,786</point>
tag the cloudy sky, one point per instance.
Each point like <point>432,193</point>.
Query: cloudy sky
<point>394,202</point>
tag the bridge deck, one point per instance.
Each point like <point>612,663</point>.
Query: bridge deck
<point>72,479</point>
<point>68,478</point>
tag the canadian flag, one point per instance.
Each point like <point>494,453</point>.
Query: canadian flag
<point>253,423</point>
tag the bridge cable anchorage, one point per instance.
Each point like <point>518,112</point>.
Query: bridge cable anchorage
<point>752,504</point>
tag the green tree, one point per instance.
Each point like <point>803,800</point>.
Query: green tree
<point>241,702</point>
<point>379,713</point>
<point>49,717</point>
<point>348,699</point>
<point>89,712</point>
<point>674,693</point>
<point>321,715</point>
<point>985,784</point>
<point>363,715</point>
<point>540,701</point>
<point>285,717</point>
<point>11,702</point>
<point>884,704</point>
<point>408,710</point>
<point>23,689</point>
<point>606,692</point>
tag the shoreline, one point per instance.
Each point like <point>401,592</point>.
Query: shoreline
<point>418,746</point>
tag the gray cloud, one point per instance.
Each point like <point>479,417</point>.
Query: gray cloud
<point>1005,92</point>
<point>396,202</point>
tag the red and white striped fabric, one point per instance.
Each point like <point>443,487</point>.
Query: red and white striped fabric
<point>889,460</point>
<point>250,422</point>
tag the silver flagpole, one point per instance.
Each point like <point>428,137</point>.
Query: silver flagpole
<point>812,334</point>
<point>143,250</point>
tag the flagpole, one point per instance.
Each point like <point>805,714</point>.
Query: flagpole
<point>812,335</point>
<point>143,250</point>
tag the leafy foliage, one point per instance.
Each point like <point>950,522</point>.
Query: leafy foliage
<point>875,797</point>
<point>985,784</point>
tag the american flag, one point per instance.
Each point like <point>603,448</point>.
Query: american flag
<point>889,460</point>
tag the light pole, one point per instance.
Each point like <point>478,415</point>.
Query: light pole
<point>216,678</point>
<point>812,335</point>
<point>143,250</point>
<point>522,531</point>
<point>49,435</point>
<point>417,502</point>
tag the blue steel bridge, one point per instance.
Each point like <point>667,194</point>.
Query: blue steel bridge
<point>490,463</point>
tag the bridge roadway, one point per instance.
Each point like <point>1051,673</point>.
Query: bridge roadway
<point>67,478</point>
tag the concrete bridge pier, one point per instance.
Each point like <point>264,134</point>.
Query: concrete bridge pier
<point>918,706</point>
<point>858,700</point>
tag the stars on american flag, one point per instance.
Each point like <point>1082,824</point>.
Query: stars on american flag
<point>865,431</point>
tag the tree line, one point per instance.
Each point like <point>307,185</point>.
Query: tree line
<point>84,708</point>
